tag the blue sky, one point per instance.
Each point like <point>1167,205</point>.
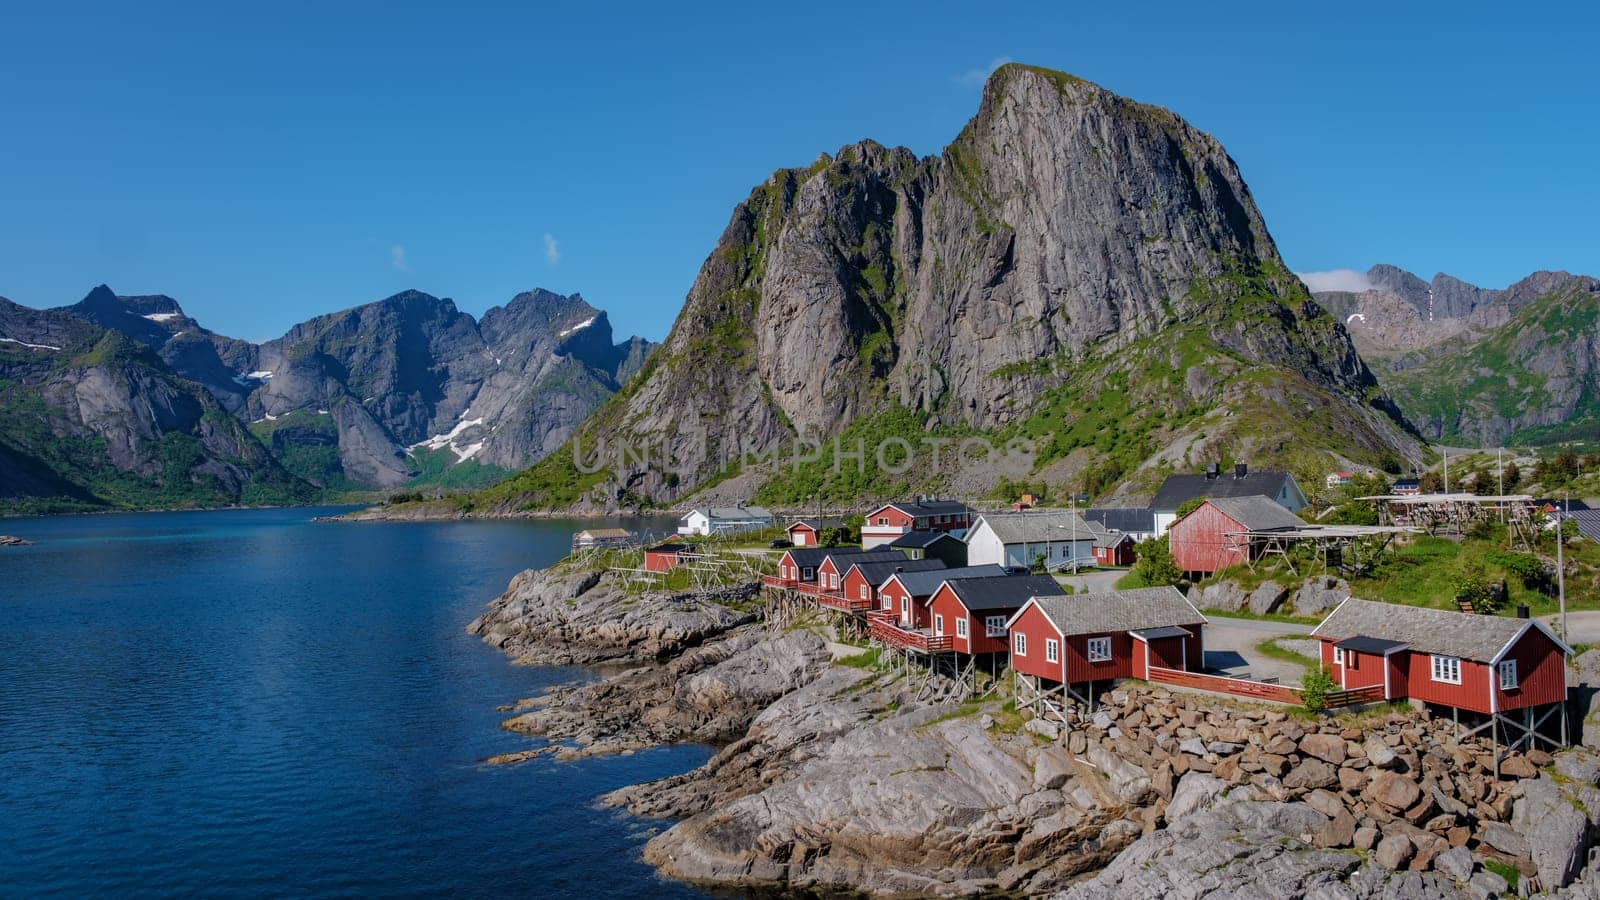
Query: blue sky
<point>268,163</point>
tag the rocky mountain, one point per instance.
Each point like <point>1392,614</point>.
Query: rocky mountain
<point>377,396</point>
<point>89,417</point>
<point>1482,367</point>
<point>1075,268</point>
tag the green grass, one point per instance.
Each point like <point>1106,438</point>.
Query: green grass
<point>1270,648</point>
<point>1504,870</point>
<point>866,660</point>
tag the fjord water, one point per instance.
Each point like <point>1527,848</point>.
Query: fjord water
<point>250,702</point>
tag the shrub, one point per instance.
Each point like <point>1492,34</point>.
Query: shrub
<point>1315,686</point>
<point>1154,566</point>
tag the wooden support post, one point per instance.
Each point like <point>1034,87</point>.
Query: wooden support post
<point>1494,744</point>
<point>1565,738</point>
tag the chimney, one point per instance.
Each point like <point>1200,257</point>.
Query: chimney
<point>899,569</point>
<point>1522,610</point>
<point>1212,469</point>
<point>1240,470</point>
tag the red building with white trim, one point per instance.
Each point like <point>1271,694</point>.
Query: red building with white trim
<point>903,597</point>
<point>665,557</point>
<point>972,612</point>
<point>1482,664</point>
<point>859,592</point>
<point>891,520</point>
<point>1103,637</point>
<point>1227,531</point>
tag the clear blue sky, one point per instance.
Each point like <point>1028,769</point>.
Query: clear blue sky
<point>266,163</point>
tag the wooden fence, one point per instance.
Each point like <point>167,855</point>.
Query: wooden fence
<point>1259,690</point>
<point>885,631</point>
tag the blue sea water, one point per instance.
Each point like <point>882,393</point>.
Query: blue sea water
<point>252,703</point>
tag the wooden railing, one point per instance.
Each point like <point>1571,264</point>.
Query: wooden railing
<point>837,600</point>
<point>1259,690</point>
<point>883,630</point>
<point>774,581</point>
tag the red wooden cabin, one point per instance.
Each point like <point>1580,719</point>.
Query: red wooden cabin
<point>859,592</point>
<point>1106,636</point>
<point>1113,548</point>
<point>808,532</point>
<point>1227,531</point>
<point>664,557</point>
<point>800,569</point>
<point>974,611</point>
<point>892,520</point>
<point>903,597</point>
<point>1483,664</point>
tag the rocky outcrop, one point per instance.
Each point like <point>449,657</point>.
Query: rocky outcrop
<point>1066,239</point>
<point>1318,595</point>
<point>7,540</point>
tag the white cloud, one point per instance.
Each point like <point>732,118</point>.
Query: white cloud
<point>552,249</point>
<point>397,257</point>
<point>976,77</point>
<point>1337,280</point>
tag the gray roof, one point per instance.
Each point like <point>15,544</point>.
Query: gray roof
<point>922,538</point>
<point>929,506</point>
<point>813,556</point>
<point>1440,631</point>
<point>1588,522</point>
<point>1134,519</point>
<point>923,584</point>
<point>876,572</point>
<point>1038,527</point>
<point>736,512</point>
<point>1179,489</point>
<point>818,524</point>
<point>1258,513</point>
<point>1112,611</point>
<point>1003,591</point>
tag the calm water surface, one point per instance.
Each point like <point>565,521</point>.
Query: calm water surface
<point>248,702</point>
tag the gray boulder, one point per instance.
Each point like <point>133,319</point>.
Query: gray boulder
<point>1195,790</point>
<point>1320,594</point>
<point>1224,596</point>
<point>1267,598</point>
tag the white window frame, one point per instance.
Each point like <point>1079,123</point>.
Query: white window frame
<point>961,627</point>
<point>1508,667</point>
<point>1338,656</point>
<point>938,624</point>
<point>1445,669</point>
<point>1019,644</point>
<point>883,520</point>
<point>994,626</point>
<point>808,573</point>
<point>1052,650</point>
<point>888,601</point>
<point>864,591</point>
<point>1092,651</point>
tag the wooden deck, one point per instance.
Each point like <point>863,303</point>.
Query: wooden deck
<point>883,629</point>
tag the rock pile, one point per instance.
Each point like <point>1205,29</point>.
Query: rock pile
<point>7,540</point>
<point>1397,786</point>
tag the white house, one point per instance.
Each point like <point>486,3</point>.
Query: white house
<point>724,520</point>
<point>1015,540</point>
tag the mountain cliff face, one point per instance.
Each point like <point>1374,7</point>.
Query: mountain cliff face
<point>1482,367</point>
<point>89,417</point>
<point>1075,268</point>
<point>376,396</point>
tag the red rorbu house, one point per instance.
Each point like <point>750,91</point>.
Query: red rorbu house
<point>903,597</point>
<point>859,592</point>
<point>1228,531</point>
<point>1087,638</point>
<point>808,532</point>
<point>665,557</point>
<point>890,521</point>
<point>813,569</point>
<point>1113,548</point>
<point>1483,664</point>
<point>973,611</point>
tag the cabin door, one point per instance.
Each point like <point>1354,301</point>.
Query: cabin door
<point>905,612</point>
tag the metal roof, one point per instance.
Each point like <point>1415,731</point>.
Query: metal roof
<point>928,506</point>
<point>1139,609</point>
<point>1179,489</point>
<point>737,513</point>
<point>920,539</point>
<point>923,584</point>
<point>1588,522</point>
<point>876,572</point>
<point>816,523</point>
<point>1133,519</point>
<point>1156,634</point>
<point>1436,631</point>
<point>1375,646</point>
<point>1004,591</point>
<point>813,556</point>
<point>1054,526</point>
<point>1257,513</point>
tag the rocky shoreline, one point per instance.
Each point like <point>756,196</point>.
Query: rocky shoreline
<point>835,775</point>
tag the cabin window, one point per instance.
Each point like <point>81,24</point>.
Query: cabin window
<point>994,626</point>
<point>1019,644</point>
<point>938,624</point>
<point>864,592</point>
<point>888,602</point>
<point>1508,675</point>
<point>1052,650</point>
<point>883,520</point>
<point>808,573</point>
<point>961,627</point>
<point>1338,656</point>
<point>1446,669</point>
<point>1099,649</point>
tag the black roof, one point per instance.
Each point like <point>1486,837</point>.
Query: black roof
<point>674,546</point>
<point>816,523</point>
<point>924,583</point>
<point>1180,489</point>
<point>1004,592</point>
<point>1569,505</point>
<point>1126,519</point>
<point>920,539</point>
<point>1363,644</point>
<point>877,572</point>
<point>1588,523</point>
<point>813,556</point>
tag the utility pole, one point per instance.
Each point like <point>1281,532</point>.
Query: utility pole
<point>1500,480</point>
<point>1561,563</point>
<point>1073,506</point>
<point>1447,470</point>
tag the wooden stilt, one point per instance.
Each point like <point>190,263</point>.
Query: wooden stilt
<point>1494,744</point>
